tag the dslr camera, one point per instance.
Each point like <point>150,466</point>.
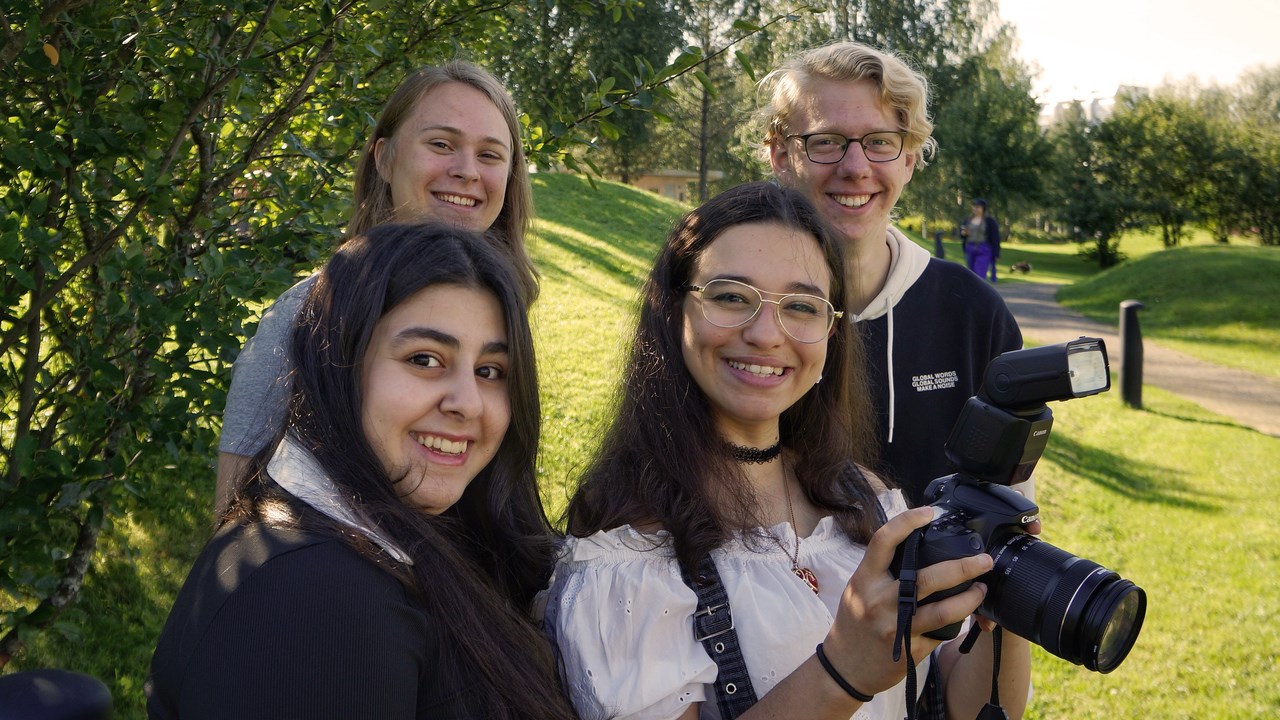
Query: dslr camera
<point>1072,607</point>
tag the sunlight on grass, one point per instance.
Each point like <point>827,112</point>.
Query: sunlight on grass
<point>594,255</point>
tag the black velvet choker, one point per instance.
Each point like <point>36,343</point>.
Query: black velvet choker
<point>752,455</point>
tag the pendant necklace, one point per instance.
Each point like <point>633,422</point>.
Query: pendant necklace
<point>803,573</point>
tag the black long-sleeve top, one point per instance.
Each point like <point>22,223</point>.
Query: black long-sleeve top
<point>277,623</point>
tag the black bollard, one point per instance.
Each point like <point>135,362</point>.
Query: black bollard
<point>938,252</point>
<point>1130,354</point>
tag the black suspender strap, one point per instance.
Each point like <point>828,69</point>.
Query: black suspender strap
<point>713,627</point>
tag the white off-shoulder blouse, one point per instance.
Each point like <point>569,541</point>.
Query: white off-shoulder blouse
<point>622,618</point>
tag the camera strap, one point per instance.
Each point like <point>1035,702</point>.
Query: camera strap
<point>906,610</point>
<point>902,641</point>
<point>992,710</point>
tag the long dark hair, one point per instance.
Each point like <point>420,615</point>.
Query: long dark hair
<point>662,454</point>
<point>479,563</point>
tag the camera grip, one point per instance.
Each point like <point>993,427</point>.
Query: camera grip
<point>938,543</point>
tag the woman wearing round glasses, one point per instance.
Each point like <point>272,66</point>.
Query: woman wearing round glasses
<point>724,546</point>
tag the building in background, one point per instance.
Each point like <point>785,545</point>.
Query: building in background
<point>678,185</point>
<point>1096,108</point>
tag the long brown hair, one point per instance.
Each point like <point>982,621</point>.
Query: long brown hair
<point>662,451</point>
<point>372,201</point>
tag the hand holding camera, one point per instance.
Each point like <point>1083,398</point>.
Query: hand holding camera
<point>860,642</point>
<point>1072,607</point>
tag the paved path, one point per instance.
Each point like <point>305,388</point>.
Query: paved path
<point>1249,399</point>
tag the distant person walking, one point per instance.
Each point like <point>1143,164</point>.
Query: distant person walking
<point>980,235</point>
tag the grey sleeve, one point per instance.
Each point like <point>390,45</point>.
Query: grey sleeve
<point>260,380</point>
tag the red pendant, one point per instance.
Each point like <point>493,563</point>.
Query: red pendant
<point>807,576</point>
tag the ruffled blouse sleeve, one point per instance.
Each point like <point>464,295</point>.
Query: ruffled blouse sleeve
<point>621,619</point>
<point>893,502</point>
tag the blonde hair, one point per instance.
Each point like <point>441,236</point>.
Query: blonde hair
<point>902,89</point>
<point>372,201</point>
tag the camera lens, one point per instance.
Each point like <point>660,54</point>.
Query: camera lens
<point>1121,610</point>
<point>1072,607</point>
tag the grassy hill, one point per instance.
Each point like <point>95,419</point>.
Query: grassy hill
<point>594,248</point>
<point>1218,303</point>
<point>1176,499</point>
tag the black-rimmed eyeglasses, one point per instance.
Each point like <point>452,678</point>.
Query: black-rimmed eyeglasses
<point>830,148</point>
<point>731,304</point>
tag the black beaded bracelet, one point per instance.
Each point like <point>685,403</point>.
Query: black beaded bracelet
<point>844,684</point>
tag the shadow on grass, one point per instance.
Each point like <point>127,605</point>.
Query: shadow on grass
<point>1200,420</point>
<point>595,263</point>
<point>1135,481</point>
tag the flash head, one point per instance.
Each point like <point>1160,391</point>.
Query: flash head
<point>1030,378</point>
<point>1002,431</point>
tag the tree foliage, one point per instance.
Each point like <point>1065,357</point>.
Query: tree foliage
<point>1257,184</point>
<point>713,107</point>
<point>159,171</point>
<point>164,168</point>
<point>653,35</point>
<point>1078,195</point>
<point>1245,125</point>
<point>931,33</point>
<point>1159,153</point>
<point>1186,155</point>
<point>566,62</point>
<point>702,120</point>
<point>990,144</point>
<point>1176,157</point>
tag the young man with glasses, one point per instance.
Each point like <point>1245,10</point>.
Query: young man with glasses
<point>848,125</point>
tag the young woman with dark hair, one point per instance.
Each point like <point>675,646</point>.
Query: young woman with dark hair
<point>446,147</point>
<point>732,483</point>
<point>378,560</point>
<point>655,470</point>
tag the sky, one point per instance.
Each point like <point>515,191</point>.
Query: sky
<point>1086,48</point>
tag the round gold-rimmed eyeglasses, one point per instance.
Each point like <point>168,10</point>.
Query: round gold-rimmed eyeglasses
<point>730,304</point>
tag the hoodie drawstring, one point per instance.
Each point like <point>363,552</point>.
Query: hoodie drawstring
<point>888,351</point>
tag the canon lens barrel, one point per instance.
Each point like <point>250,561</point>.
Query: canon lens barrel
<point>1072,607</point>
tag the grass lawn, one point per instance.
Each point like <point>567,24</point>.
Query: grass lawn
<point>1178,500</point>
<point>594,248</point>
<point>1181,502</point>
